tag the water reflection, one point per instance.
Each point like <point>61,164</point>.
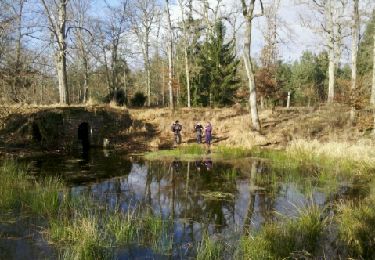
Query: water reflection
<point>223,198</point>
<point>196,195</point>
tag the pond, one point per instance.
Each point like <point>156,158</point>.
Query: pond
<point>223,199</point>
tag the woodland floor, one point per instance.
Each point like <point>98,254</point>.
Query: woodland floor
<point>231,126</point>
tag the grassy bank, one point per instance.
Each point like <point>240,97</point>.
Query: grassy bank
<point>310,156</point>
<point>195,151</point>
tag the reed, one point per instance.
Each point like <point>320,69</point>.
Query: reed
<point>209,248</point>
<point>356,226</point>
<point>299,236</point>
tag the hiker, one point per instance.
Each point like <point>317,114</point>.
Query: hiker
<point>176,129</point>
<point>208,135</point>
<point>199,131</point>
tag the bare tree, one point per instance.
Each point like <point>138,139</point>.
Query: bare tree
<point>143,15</point>
<point>270,52</point>
<point>170,55</point>
<point>372,100</point>
<point>249,15</point>
<point>57,18</point>
<point>355,42</point>
<point>81,9</point>
<point>185,32</point>
<point>328,20</point>
<point>109,33</point>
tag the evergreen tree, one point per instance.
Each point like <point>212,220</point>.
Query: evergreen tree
<point>216,63</point>
<point>366,48</point>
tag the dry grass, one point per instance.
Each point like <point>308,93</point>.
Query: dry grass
<point>361,152</point>
<point>232,127</point>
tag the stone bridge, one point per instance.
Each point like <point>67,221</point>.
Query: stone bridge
<point>66,127</point>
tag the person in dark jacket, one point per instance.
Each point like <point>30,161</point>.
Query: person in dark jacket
<point>176,129</point>
<point>199,131</point>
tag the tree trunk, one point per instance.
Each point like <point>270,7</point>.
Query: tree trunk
<point>85,81</point>
<point>148,85</point>
<point>125,87</point>
<point>355,40</point>
<point>148,72</point>
<point>250,75</point>
<point>163,84</point>
<point>187,72</point>
<point>61,54</point>
<point>170,50</point>
<point>331,76</point>
<point>372,101</point>
<point>107,75</point>
<point>331,54</point>
<point>114,71</point>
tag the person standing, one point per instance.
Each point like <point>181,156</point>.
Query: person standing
<point>208,135</point>
<point>199,131</point>
<point>176,129</point>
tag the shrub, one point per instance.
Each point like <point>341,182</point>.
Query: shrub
<point>138,100</point>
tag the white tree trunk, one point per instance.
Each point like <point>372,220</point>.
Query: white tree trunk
<point>355,40</point>
<point>58,29</point>
<point>61,54</point>
<point>148,72</point>
<point>331,51</point>
<point>250,75</point>
<point>85,81</point>
<point>170,50</point>
<point>187,72</point>
<point>372,101</point>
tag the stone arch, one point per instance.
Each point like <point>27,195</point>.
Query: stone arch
<point>84,135</point>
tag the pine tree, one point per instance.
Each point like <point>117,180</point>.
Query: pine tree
<point>366,48</point>
<point>216,80</point>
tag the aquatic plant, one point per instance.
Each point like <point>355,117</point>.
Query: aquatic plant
<point>44,197</point>
<point>123,226</point>
<point>299,236</point>
<point>20,192</point>
<point>209,248</point>
<point>13,185</point>
<point>356,226</point>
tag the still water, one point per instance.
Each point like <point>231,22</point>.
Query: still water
<point>223,198</point>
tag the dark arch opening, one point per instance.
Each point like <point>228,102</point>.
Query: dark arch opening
<point>37,136</point>
<point>83,135</point>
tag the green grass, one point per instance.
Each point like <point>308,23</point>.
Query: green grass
<point>123,227</point>
<point>209,248</point>
<point>14,186</point>
<point>195,151</point>
<point>356,226</point>
<point>288,238</point>
<point>19,192</point>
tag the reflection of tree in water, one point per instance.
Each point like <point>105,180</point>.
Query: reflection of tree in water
<point>261,190</point>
